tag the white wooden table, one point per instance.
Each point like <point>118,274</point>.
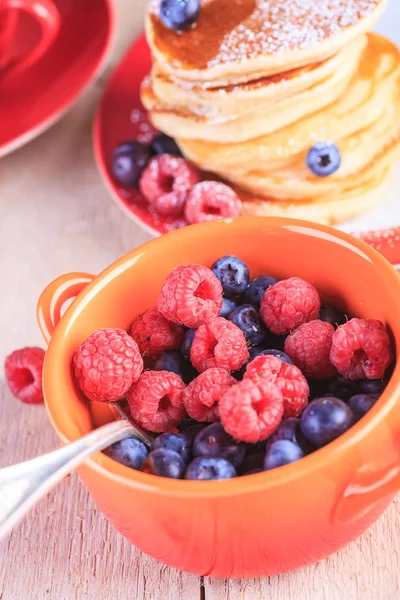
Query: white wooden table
<point>56,216</point>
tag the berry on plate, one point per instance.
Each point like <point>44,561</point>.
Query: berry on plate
<point>203,394</point>
<point>361,349</point>
<point>214,442</point>
<point>23,370</point>
<point>374,387</point>
<point>166,182</point>
<point>288,378</point>
<point>251,411</point>
<point>257,288</point>
<point>178,442</point>
<point>324,159</point>
<point>129,160</point>
<point>325,419</point>
<point>129,452</point>
<point>156,400</point>
<point>219,344</point>
<point>288,304</point>
<point>233,274</point>
<point>309,348</point>
<point>280,453</point>
<point>191,295</point>
<point>154,334</point>
<point>107,364</point>
<point>206,469</point>
<point>164,463</point>
<point>211,200</point>
<point>247,318</point>
<point>179,14</point>
<point>340,387</point>
<point>163,144</point>
<point>253,463</point>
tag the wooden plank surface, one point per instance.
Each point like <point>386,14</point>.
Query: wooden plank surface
<point>56,217</point>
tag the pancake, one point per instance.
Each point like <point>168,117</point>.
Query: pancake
<point>362,104</point>
<point>366,86</point>
<point>223,103</point>
<point>240,39</point>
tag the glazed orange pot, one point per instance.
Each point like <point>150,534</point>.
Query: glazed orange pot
<point>261,524</point>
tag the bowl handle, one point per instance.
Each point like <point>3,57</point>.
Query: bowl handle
<point>52,299</point>
<point>367,489</point>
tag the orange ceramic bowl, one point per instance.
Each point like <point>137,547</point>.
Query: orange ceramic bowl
<point>261,524</point>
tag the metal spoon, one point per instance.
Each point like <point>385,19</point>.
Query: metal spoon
<point>24,484</point>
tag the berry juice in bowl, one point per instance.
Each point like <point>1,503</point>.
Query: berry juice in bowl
<point>289,401</point>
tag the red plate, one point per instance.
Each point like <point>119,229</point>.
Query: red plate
<point>121,117</point>
<point>34,100</point>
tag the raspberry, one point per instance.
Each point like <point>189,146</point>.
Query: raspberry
<point>107,364</point>
<point>288,378</point>
<point>156,400</point>
<point>289,304</point>
<point>202,395</point>
<point>166,182</point>
<point>361,349</point>
<point>154,334</point>
<point>251,411</point>
<point>309,347</point>
<point>191,295</point>
<point>23,370</point>
<point>210,200</point>
<point>219,344</point>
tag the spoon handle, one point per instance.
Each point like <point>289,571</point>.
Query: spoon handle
<point>24,484</point>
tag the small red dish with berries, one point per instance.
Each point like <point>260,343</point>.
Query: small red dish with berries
<point>235,375</point>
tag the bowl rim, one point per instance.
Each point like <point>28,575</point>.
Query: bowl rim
<point>110,469</point>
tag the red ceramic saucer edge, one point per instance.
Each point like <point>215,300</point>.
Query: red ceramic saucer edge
<point>48,121</point>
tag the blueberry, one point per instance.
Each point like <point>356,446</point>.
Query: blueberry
<point>361,404</point>
<point>253,463</point>
<point>227,307</point>
<point>179,14</point>
<point>163,144</point>
<point>247,318</point>
<point>324,159</point>
<point>332,315</point>
<point>210,468</point>
<point>129,160</point>
<point>278,353</point>
<point>375,387</point>
<point>233,274</point>
<point>164,463</point>
<point>325,419</point>
<point>214,442</point>
<point>187,342</point>
<point>290,430</point>
<point>170,361</point>
<point>129,452</point>
<point>282,452</point>
<point>341,388</point>
<point>256,289</point>
<point>179,442</point>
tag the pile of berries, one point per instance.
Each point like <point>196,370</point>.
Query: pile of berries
<point>237,375</point>
<point>170,184</point>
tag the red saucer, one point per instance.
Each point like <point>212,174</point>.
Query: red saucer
<point>34,100</point>
<point>121,117</point>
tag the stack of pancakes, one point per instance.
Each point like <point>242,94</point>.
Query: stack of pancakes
<point>256,83</point>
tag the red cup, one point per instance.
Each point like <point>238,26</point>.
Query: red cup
<point>262,524</point>
<point>48,18</point>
